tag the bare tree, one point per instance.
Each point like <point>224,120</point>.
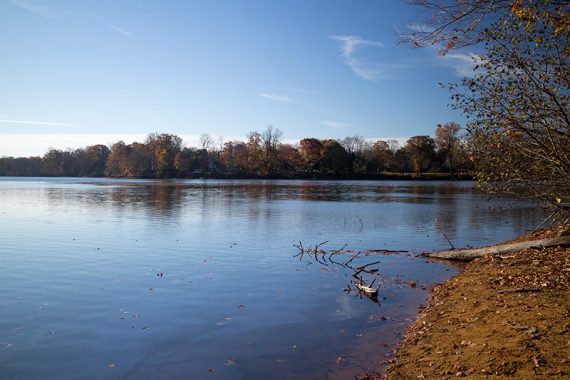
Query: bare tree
<point>206,141</point>
<point>270,138</point>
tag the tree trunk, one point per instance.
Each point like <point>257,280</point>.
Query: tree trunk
<point>470,254</point>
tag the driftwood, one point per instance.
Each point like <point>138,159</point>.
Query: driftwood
<point>470,254</point>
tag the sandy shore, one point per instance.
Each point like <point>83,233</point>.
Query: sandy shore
<point>503,316</point>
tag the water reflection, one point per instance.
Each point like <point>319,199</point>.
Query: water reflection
<point>83,258</point>
<point>434,210</point>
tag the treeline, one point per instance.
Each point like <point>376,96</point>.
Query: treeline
<point>262,155</point>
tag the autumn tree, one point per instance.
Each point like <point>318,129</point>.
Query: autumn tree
<point>234,156</point>
<point>289,158</point>
<point>254,152</point>
<point>518,100</point>
<point>55,162</point>
<point>270,138</point>
<point>131,160</point>
<point>162,150</point>
<point>421,150</point>
<point>311,151</point>
<point>383,155</point>
<point>448,142</point>
<point>95,160</point>
<point>116,162</point>
<point>189,160</point>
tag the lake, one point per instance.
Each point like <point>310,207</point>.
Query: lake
<point>200,279</point>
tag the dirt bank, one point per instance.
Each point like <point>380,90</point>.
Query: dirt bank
<point>503,316</point>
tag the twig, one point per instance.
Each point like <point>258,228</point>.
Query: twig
<point>367,265</point>
<point>317,246</point>
<point>545,220</point>
<point>339,250</point>
<point>452,246</point>
<point>353,257</point>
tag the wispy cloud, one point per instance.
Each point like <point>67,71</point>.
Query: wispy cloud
<point>463,64</point>
<point>420,28</point>
<point>337,124</point>
<point>122,31</point>
<point>275,97</point>
<point>351,43</point>
<point>363,68</point>
<point>49,12</point>
<point>29,122</point>
<point>29,6</point>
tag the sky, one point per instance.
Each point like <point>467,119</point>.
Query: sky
<point>77,73</point>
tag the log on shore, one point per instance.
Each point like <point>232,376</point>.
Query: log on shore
<point>471,254</point>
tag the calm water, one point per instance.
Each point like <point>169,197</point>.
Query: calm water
<point>134,279</point>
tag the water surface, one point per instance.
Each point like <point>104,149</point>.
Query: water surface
<point>140,279</point>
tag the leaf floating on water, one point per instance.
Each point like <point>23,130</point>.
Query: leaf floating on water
<point>376,317</point>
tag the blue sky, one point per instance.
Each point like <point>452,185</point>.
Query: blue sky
<point>83,72</point>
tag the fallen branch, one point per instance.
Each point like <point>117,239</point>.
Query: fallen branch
<point>385,251</point>
<point>521,290</point>
<point>470,254</point>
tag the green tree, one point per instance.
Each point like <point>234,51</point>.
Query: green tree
<point>335,158</point>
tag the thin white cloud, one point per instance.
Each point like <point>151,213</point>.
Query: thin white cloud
<point>122,31</point>
<point>31,7</point>
<point>336,124</point>
<point>463,64</point>
<point>363,68</point>
<point>275,97</point>
<point>420,28</point>
<point>351,43</point>
<point>48,12</point>
<point>30,122</point>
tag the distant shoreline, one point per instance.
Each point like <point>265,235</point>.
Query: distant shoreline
<point>300,176</point>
